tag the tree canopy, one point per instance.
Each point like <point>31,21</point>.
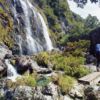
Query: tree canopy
<point>81,3</point>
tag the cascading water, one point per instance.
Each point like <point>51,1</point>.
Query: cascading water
<point>31,33</point>
<point>45,33</point>
<point>34,28</point>
<point>44,27</point>
<point>19,39</point>
<point>11,72</point>
<point>32,44</point>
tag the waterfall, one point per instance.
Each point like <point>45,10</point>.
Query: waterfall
<point>19,38</point>
<point>11,71</point>
<point>33,26</point>
<point>44,27</point>
<point>32,44</point>
<point>46,33</point>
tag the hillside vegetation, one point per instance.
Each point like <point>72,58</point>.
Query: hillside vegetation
<point>6,24</point>
<point>63,23</point>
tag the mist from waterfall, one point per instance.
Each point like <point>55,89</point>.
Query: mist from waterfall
<point>36,32</point>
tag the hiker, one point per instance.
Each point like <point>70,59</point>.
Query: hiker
<point>97,55</point>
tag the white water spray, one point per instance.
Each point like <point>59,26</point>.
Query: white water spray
<point>11,71</point>
<point>46,33</point>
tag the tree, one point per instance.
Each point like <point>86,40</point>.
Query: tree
<point>81,3</point>
<point>92,22</point>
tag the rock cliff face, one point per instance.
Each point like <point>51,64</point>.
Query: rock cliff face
<point>28,23</point>
<point>29,30</point>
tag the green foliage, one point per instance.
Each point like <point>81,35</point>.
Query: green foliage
<point>77,48</point>
<point>68,64</point>
<point>92,22</point>
<point>65,83</point>
<point>70,61</point>
<point>81,71</point>
<point>27,80</point>
<point>43,81</point>
<point>58,12</point>
<point>55,10</point>
<point>64,39</point>
<point>6,25</point>
<point>82,3</point>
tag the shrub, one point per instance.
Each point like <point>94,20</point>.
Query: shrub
<point>27,80</point>
<point>78,71</point>
<point>81,71</point>
<point>71,65</point>
<point>65,83</point>
<point>43,81</point>
<point>42,59</point>
<point>77,48</point>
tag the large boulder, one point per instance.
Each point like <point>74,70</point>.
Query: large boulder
<point>77,92</point>
<point>28,93</point>
<point>92,93</point>
<point>24,93</point>
<point>4,51</point>
<point>23,64</point>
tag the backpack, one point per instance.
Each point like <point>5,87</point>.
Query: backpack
<point>97,48</point>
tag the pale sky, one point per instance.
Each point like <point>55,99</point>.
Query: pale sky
<point>93,9</point>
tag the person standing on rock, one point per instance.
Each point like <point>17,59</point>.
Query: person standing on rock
<point>94,37</point>
<point>97,54</point>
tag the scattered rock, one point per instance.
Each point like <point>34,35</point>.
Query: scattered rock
<point>91,67</point>
<point>54,91</point>
<point>44,71</point>
<point>3,69</point>
<point>92,93</point>
<point>23,93</point>
<point>77,91</point>
<point>47,91</point>
<point>90,59</point>
<point>38,95</point>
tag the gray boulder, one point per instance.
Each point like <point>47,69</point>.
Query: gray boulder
<point>4,51</point>
<point>23,93</point>
<point>23,64</point>
<point>92,93</point>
